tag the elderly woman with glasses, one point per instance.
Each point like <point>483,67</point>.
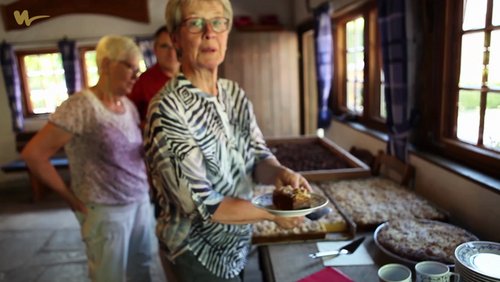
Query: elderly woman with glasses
<point>99,130</point>
<point>205,152</point>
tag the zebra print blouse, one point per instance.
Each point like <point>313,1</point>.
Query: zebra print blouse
<point>199,149</point>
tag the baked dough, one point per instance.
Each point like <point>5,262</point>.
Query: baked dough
<point>372,201</point>
<point>419,240</point>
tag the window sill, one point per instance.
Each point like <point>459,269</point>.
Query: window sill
<point>482,179</point>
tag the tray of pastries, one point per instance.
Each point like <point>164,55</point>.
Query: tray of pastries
<point>413,240</point>
<point>333,225</point>
<point>317,159</point>
<point>368,202</point>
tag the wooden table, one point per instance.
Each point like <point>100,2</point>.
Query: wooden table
<point>290,262</point>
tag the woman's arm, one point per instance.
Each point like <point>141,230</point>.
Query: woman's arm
<point>37,153</point>
<point>267,171</point>
<point>237,211</point>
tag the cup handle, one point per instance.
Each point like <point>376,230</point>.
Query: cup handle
<point>457,277</point>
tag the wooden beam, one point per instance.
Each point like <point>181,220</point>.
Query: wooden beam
<point>21,14</point>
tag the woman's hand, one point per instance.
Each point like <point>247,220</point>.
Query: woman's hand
<point>78,206</point>
<point>287,176</point>
<point>288,222</point>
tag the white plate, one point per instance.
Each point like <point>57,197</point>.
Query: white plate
<point>482,257</point>
<point>265,201</point>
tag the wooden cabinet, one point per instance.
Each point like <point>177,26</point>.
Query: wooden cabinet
<point>265,64</point>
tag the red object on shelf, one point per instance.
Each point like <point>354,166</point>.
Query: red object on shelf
<point>269,20</point>
<point>327,274</point>
<point>241,21</point>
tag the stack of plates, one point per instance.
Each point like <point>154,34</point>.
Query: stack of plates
<point>478,261</point>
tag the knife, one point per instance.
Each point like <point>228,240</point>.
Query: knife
<point>345,250</point>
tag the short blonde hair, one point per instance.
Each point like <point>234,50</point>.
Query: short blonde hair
<point>115,47</point>
<point>173,12</point>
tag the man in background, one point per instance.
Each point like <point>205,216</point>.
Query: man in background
<point>154,78</point>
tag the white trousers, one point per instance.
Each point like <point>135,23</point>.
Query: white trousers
<point>118,241</point>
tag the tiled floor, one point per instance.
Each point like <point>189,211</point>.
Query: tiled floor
<point>41,242</point>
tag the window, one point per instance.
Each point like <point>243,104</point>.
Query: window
<point>43,82</point>
<point>89,66</point>
<point>44,85</point>
<point>358,77</point>
<point>355,64</point>
<point>462,122</point>
<point>478,92</point>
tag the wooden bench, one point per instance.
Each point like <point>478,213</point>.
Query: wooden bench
<point>38,188</point>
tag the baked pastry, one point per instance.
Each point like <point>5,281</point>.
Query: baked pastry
<point>291,198</point>
<point>419,240</point>
<point>372,201</point>
<point>267,231</point>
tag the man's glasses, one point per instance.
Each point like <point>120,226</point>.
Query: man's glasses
<point>135,70</point>
<point>197,25</point>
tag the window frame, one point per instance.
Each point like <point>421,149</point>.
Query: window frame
<point>372,54</point>
<point>443,63</point>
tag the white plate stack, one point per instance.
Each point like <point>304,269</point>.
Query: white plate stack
<point>478,261</point>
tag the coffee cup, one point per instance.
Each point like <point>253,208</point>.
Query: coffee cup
<point>394,272</point>
<point>433,271</point>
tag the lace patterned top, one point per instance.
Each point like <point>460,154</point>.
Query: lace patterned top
<point>105,154</point>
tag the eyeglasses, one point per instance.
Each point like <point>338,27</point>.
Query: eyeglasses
<point>197,25</point>
<point>135,70</point>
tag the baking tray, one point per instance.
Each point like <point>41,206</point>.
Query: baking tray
<point>442,215</point>
<point>294,151</point>
<point>333,231</point>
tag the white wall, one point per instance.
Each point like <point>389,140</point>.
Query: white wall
<point>87,28</point>
<point>470,205</point>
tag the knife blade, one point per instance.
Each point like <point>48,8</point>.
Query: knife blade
<point>345,250</point>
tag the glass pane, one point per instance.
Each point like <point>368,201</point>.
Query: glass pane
<point>491,135</point>
<point>496,12</point>
<point>471,69</point>
<point>383,109</point>
<point>359,98</point>
<point>355,64</point>
<point>46,83</point>
<point>494,64</point>
<point>360,66</point>
<point>351,66</point>
<point>350,98</point>
<point>91,68</point>
<point>350,32</point>
<point>468,116</point>
<point>474,14</point>
<point>360,26</point>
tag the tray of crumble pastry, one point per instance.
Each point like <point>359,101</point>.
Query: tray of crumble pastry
<point>332,226</point>
<point>413,240</point>
<point>369,202</point>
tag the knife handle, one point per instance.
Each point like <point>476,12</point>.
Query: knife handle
<point>325,254</point>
